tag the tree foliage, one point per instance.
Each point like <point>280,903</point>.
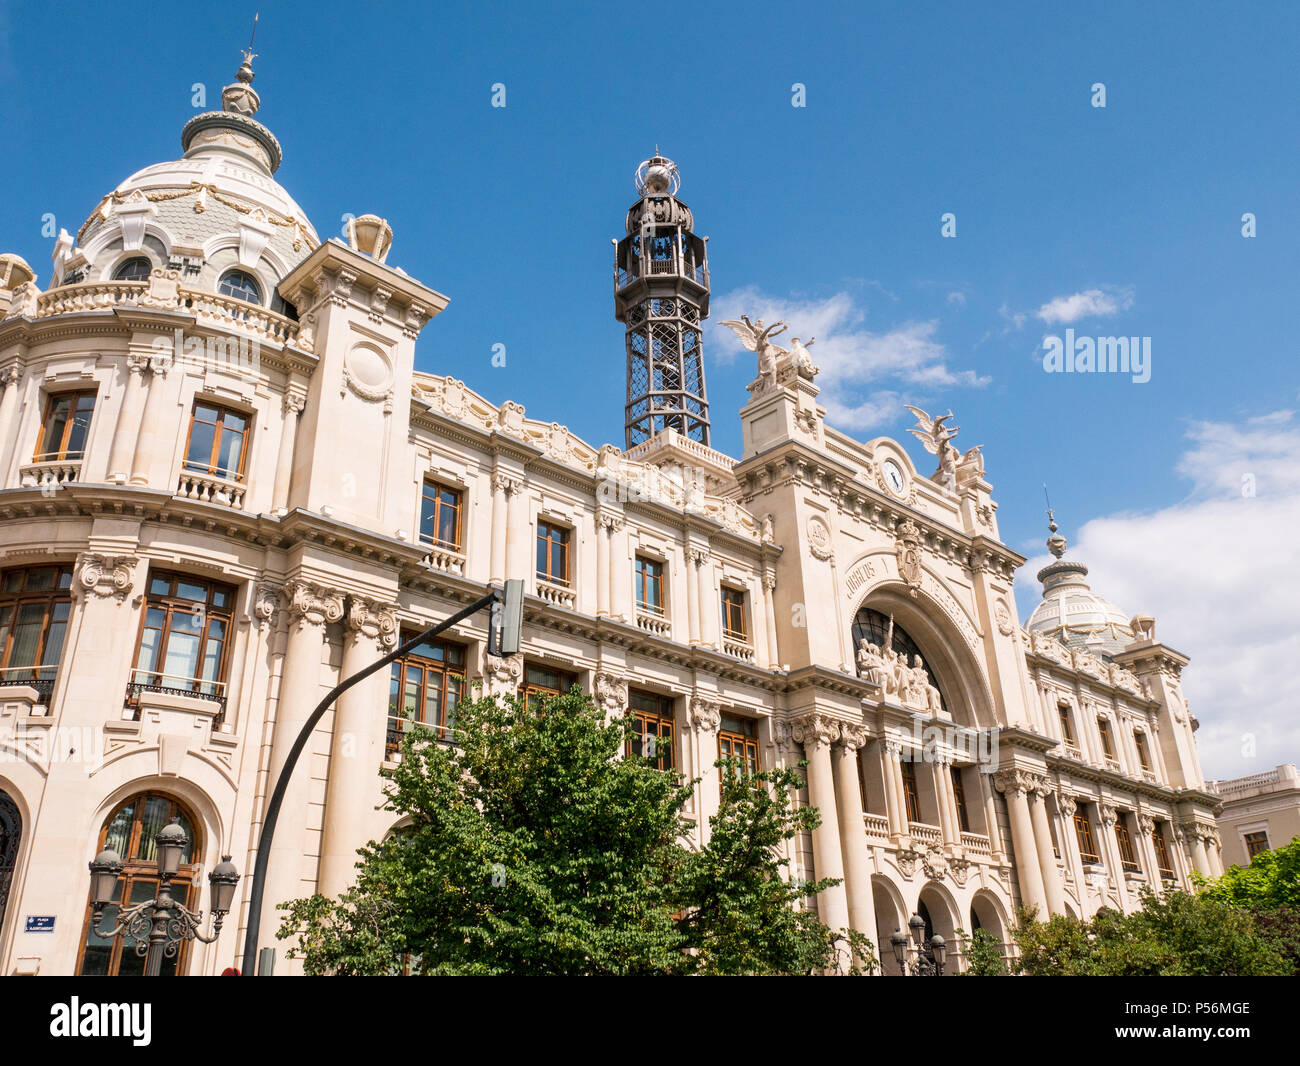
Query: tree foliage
<point>531,847</point>
<point>1271,880</point>
<point>984,956</point>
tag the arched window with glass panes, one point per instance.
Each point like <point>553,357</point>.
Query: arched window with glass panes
<point>130,831</point>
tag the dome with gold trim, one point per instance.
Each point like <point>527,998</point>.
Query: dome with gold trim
<point>216,215</point>
<point>1071,612</point>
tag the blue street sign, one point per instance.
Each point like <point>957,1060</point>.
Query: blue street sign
<point>39,923</point>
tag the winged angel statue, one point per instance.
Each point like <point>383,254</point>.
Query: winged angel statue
<point>937,439</point>
<point>757,337</point>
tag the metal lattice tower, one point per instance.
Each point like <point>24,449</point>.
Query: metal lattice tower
<point>661,294</point>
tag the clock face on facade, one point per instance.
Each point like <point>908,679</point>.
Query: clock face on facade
<point>894,477</point>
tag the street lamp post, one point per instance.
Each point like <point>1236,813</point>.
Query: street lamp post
<point>928,959</point>
<point>160,925</point>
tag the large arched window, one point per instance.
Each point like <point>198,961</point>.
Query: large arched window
<point>876,628</point>
<point>137,268</point>
<point>11,834</point>
<point>130,831</point>
<point>240,286</point>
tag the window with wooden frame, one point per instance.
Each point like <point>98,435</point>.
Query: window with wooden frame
<point>1067,726</point>
<point>137,268</point>
<point>65,427</point>
<point>34,607</point>
<point>1128,859</point>
<point>1107,746</point>
<point>734,624</point>
<point>652,724</point>
<point>1163,863</point>
<point>649,586</point>
<point>959,798</point>
<point>543,682</point>
<point>424,688</point>
<point>738,740</point>
<point>1256,844</point>
<point>440,515</point>
<point>130,831</point>
<point>911,794</point>
<point>184,637</point>
<point>1083,830</point>
<point>218,441</point>
<point>1144,758</point>
<point>552,552</point>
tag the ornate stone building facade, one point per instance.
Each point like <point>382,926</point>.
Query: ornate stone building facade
<point>223,486</point>
<point>1260,812</point>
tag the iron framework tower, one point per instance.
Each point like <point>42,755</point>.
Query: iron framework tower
<point>661,295</point>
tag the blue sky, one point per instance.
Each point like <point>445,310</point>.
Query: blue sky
<point>1123,220</point>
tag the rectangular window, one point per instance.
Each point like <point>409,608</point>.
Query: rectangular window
<point>542,682</point>
<point>218,442</point>
<point>183,637</point>
<point>1107,748</point>
<point>911,793</point>
<point>1256,844</point>
<point>552,553</point>
<point>734,626</point>
<point>66,426</point>
<point>1140,743</point>
<point>1162,851</point>
<point>652,719</point>
<point>1083,830</point>
<point>1127,854</point>
<point>34,607</point>
<point>738,740</point>
<point>424,689</point>
<point>959,795</point>
<point>1067,727</point>
<point>440,511</point>
<point>649,586</point>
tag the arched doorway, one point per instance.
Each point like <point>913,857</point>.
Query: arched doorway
<point>130,831</point>
<point>11,835</point>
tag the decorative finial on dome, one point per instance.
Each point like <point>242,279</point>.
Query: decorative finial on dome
<point>1056,544</point>
<point>240,97</point>
<point>658,176</point>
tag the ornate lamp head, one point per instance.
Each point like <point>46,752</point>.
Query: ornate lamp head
<point>104,871</point>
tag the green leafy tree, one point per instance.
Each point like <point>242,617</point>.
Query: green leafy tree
<point>530,847</point>
<point>1177,934</point>
<point>984,955</point>
<point>1271,880</point>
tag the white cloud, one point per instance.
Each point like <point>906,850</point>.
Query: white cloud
<point>957,298</point>
<point>861,370</point>
<point>1220,571</point>
<point>1091,303</point>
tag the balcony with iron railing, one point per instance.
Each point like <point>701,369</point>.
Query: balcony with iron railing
<point>40,678</point>
<point>143,682</point>
<point>399,726</point>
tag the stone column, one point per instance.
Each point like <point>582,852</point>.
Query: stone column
<point>704,716</point>
<point>769,615</point>
<point>357,742</point>
<point>149,442</point>
<point>693,557</point>
<point>1214,852</point>
<point>1146,827</point>
<point>817,732</point>
<point>853,834</point>
<point>1052,887</point>
<point>500,492</point>
<point>1015,785</point>
<point>128,420</point>
<point>604,587</point>
<point>620,573</point>
<point>292,407</point>
<point>895,805</point>
<point>1200,862</point>
<point>1067,805</point>
<point>996,848</point>
<point>710,609</point>
<point>948,830</point>
<point>1110,850</point>
<point>310,609</point>
<point>11,378</point>
<point>517,535</point>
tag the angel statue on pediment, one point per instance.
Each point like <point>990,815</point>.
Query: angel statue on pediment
<point>757,337</point>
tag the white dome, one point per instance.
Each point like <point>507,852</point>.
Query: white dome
<point>1072,613</point>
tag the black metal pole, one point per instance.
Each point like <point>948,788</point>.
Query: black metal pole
<point>282,782</point>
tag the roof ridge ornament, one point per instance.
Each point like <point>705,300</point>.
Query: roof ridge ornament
<point>240,97</point>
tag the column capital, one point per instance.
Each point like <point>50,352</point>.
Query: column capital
<point>1017,782</point>
<point>103,576</point>
<point>374,620</point>
<point>507,483</point>
<point>293,403</point>
<point>1066,804</point>
<point>697,555</point>
<point>138,362</point>
<point>815,728</point>
<point>266,604</point>
<point>704,714</point>
<point>1109,814</point>
<point>610,521</point>
<point>310,604</point>
<point>11,375</point>
<point>611,693</point>
<point>1146,825</point>
<point>852,737</point>
<point>502,673</point>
